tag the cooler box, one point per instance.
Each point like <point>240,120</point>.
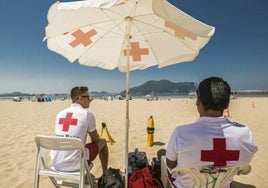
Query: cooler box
<point>136,160</point>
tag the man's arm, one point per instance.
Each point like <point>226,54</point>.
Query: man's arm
<point>171,164</point>
<point>94,135</point>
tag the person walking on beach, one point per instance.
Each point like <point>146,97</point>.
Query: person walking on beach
<point>212,139</point>
<point>76,121</point>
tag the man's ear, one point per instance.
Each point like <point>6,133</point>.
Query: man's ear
<point>197,101</point>
<point>199,107</point>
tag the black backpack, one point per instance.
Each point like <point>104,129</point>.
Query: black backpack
<point>111,178</point>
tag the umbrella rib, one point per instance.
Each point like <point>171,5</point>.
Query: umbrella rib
<point>160,30</point>
<point>105,11</point>
<point>113,20</point>
<point>132,12</point>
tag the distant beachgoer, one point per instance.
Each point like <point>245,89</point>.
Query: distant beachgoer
<point>212,139</point>
<point>76,121</point>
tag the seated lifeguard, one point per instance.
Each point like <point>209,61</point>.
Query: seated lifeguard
<point>212,139</point>
<point>76,121</point>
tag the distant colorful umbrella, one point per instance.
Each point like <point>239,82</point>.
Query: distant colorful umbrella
<point>125,34</point>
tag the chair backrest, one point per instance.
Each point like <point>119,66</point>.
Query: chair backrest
<point>58,143</point>
<point>61,144</point>
<point>49,143</point>
<point>205,176</point>
<point>210,176</point>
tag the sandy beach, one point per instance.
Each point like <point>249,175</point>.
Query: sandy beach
<point>20,122</point>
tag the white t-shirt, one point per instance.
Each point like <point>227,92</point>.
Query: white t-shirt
<point>202,142</point>
<point>74,121</point>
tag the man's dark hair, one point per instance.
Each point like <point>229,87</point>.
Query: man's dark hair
<point>78,91</point>
<point>214,93</point>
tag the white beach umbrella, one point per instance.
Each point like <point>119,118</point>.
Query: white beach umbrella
<point>125,34</point>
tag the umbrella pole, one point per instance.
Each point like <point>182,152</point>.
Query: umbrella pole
<point>128,27</point>
<point>127,128</point>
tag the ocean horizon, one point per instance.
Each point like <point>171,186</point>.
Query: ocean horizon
<point>156,97</point>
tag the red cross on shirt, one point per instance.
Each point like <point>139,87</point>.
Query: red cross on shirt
<point>136,51</point>
<point>67,121</point>
<point>219,155</point>
<point>82,38</point>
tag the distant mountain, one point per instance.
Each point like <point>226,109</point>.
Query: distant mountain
<point>250,92</point>
<point>162,87</point>
<point>158,88</point>
<point>100,94</point>
<point>15,94</point>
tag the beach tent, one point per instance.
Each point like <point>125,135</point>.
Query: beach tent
<point>125,34</point>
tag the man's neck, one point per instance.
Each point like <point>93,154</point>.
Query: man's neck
<point>211,113</point>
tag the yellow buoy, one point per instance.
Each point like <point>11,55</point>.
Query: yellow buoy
<point>150,131</point>
<point>104,129</point>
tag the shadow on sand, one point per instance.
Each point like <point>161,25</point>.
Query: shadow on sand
<point>159,143</point>
<point>236,184</point>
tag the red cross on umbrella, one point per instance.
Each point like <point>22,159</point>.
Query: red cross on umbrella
<point>82,38</point>
<point>136,51</point>
<point>180,32</point>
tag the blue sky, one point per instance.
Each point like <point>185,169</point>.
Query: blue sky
<point>238,51</point>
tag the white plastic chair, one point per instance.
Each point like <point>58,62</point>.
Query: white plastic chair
<point>61,143</point>
<point>206,176</point>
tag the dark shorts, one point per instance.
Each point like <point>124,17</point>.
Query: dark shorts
<point>93,151</point>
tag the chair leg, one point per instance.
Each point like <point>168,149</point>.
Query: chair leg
<point>36,176</point>
<point>90,180</point>
<point>36,181</point>
<point>53,180</point>
<point>164,174</point>
<point>88,177</point>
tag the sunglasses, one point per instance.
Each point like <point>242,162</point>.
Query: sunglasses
<point>86,96</point>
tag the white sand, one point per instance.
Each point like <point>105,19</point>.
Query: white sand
<point>20,122</point>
